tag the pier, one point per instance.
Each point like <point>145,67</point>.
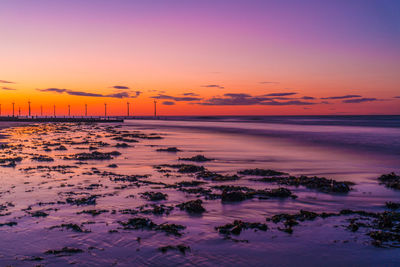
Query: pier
<point>60,119</point>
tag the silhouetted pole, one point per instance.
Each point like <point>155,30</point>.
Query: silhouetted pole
<point>69,111</point>
<point>105,110</point>
<point>41,110</point>
<point>0,109</point>
<point>54,109</point>
<point>19,111</point>
<point>86,110</point>
<point>127,105</point>
<point>155,109</point>
<point>13,107</point>
<point>29,108</point>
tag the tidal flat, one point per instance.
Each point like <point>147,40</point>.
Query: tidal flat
<point>136,194</point>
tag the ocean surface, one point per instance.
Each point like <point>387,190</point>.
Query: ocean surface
<point>357,149</point>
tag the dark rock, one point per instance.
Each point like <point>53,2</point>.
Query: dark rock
<point>390,180</point>
<point>238,226</point>
<point>197,158</point>
<point>169,149</point>
<point>193,206</point>
<point>64,250</point>
<point>261,172</point>
<point>154,196</point>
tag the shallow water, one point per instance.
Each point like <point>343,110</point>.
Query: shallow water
<point>246,146</point>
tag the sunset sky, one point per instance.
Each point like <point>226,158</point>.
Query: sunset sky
<point>222,57</point>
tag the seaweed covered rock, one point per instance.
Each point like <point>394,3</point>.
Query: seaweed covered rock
<point>169,149</point>
<point>193,206</point>
<point>216,177</point>
<point>91,200</point>
<point>238,226</point>
<point>197,158</point>
<point>261,172</point>
<point>42,158</point>
<point>235,193</point>
<point>147,224</point>
<point>318,183</point>
<point>64,250</point>
<point>154,196</point>
<point>182,168</point>
<point>390,180</point>
<point>95,155</point>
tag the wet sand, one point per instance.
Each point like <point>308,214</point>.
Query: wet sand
<point>75,196</point>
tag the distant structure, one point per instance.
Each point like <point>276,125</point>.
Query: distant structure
<point>19,111</point>
<point>105,109</point>
<point>69,111</point>
<point>54,109</point>
<point>41,110</point>
<point>29,108</point>
<point>0,109</point>
<point>85,110</point>
<point>127,106</point>
<point>155,109</point>
<point>13,104</point>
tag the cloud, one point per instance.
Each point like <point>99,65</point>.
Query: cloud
<point>269,82</point>
<point>360,100</point>
<point>88,94</point>
<point>121,87</point>
<point>176,98</point>
<point>55,90</point>
<point>3,81</point>
<point>288,103</point>
<point>396,97</point>
<point>280,94</point>
<point>341,97</point>
<point>213,86</point>
<point>190,94</point>
<point>78,93</point>
<point>8,88</point>
<point>307,97</point>
<point>168,103</point>
<point>246,100</point>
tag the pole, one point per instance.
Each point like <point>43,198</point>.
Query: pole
<point>127,103</point>
<point>54,109</point>
<point>0,109</point>
<point>29,108</point>
<point>69,111</point>
<point>105,110</point>
<point>13,108</point>
<point>85,110</point>
<point>19,111</point>
<point>155,109</point>
<point>41,110</point>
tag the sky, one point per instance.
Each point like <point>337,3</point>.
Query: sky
<point>209,57</point>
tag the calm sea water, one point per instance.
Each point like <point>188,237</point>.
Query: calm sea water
<point>357,149</point>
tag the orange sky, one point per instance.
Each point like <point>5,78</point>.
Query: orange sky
<point>319,52</point>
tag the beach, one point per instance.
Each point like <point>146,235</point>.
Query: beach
<point>209,191</point>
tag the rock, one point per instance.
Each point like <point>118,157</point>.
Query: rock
<point>261,172</point>
<point>193,206</point>
<point>154,196</point>
<point>169,149</point>
<point>238,226</point>
<point>390,180</point>
<point>67,250</point>
<point>197,158</point>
